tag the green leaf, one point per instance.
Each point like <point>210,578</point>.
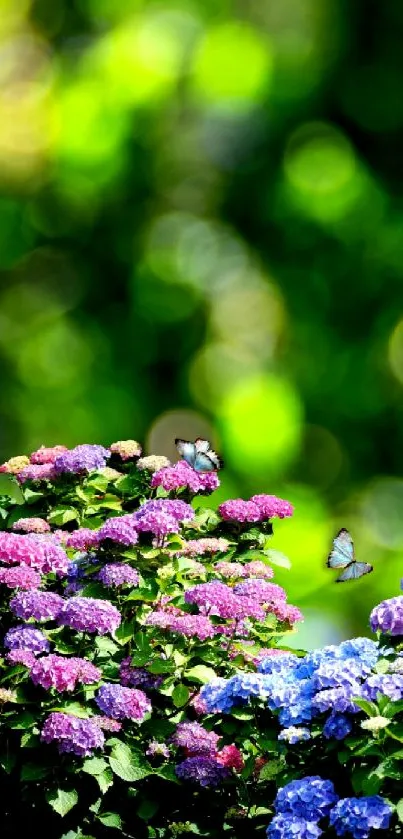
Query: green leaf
<point>160,666</point>
<point>73,708</point>
<point>62,801</point>
<point>105,780</point>
<point>201,673</point>
<point>34,771</point>
<point>105,646</point>
<point>61,515</point>
<point>10,487</point>
<point>147,809</point>
<point>110,820</point>
<point>22,721</point>
<point>369,708</point>
<point>127,765</point>
<point>125,632</point>
<point>242,714</point>
<point>94,765</point>
<point>277,558</point>
<point>271,769</point>
<point>180,695</point>
<point>399,810</point>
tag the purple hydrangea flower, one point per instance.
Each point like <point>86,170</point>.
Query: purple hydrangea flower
<point>192,626</point>
<point>239,510</point>
<point>88,614</point>
<point>337,727</point>
<point>202,770</point>
<point>181,476</point>
<point>41,605</point>
<point>36,472</point>
<point>179,510</point>
<point>64,673</point>
<point>285,826</point>
<point>387,617</point>
<point>72,734</point>
<point>337,699</point>
<point>271,507</point>
<point>217,598</point>
<point>26,638</point>
<point>134,677</point>
<point>309,798</point>
<point>123,703</point>
<point>260,590</point>
<point>294,734</point>
<point>84,458</point>
<point>116,574</point>
<point>358,816</point>
<point>195,739</point>
<point>106,723</point>
<point>82,539</point>
<point>387,684</point>
<point>119,529</point>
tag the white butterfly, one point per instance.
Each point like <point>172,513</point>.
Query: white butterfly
<point>199,455</point>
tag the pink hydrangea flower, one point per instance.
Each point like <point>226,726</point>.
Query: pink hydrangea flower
<point>257,568</point>
<point>21,577</point>
<point>63,673</point>
<point>230,570</point>
<point>271,507</point>
<point>231,757</point>
<point>31,525</point>
<point>25,657</point>
<point>82,539</point>
<point>208,545</point>
<point>239,510</point>
<point>182,476</point>
<point>42,554</point>
<point>47,455</point>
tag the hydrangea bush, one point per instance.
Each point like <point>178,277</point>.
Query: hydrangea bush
<point>146,682</point>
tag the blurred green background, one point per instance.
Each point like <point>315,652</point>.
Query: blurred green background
<point>201,227</point>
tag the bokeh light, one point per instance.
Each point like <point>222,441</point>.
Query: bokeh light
<point>200,234</point>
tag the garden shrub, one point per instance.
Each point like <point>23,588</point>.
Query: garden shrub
<point>146,684</point>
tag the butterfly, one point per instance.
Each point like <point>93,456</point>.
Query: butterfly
<point>342,556</point>
<point>199,455</point>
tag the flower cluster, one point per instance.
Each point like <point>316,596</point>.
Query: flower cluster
<point>31,525</point>
<point>72,734</point>
<point>195,739</point>
<point>21,577</point>
<point>182,476</point>
<point>126,449</point>
<point>84,458</point>
<point>259,508</point>
<point>301,689</point>
<point>82,539</point>
<point>26,638</point>
<point>206,771</point>
<point>63,673</point>
<point>117,574</point>
<point>123,703</point>
<point>42,553</point>
<point>199,547</point>
<point>136,676</point>
<point>41,605</point>
<point>88,614</point>
<point>387,617</point>
<point>120,529</point>
<point>302,804</point>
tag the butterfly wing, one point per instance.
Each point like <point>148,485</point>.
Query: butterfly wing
<point>354,571</point>
<point>204,462</point>
<point>342,553</point>
<point>187,450</point>
<point>202,446</point>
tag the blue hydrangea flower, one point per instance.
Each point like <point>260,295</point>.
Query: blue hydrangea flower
<point>337,727</point>
<point>338,673</point>
<point>216,696</point>
<point>309,798</point>
<point>358,816</point>
<point>286,827</point>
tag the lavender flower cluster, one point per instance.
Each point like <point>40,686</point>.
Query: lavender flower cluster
<point>302,805</point>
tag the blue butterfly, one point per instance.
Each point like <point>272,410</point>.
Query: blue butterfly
<point>199,455</point>
<point>342,556</point>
